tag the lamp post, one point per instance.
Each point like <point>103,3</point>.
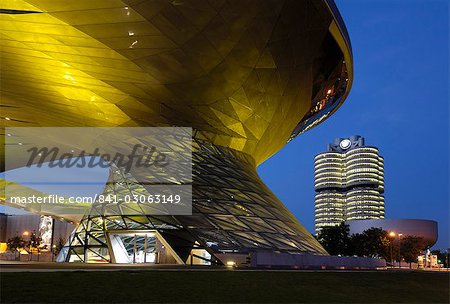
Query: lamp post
<point>399,254</point>
<point>446,257</point>
<point>53,252</point>
<point>25,234</point>
<point>392,236</point>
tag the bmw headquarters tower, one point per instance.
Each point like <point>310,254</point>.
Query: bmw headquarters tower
<point>349,183</point>
<point>247,76</point>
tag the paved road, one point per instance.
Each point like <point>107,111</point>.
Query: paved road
<point>13,266</point>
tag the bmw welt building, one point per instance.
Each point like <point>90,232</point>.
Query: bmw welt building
<point>246,76</point>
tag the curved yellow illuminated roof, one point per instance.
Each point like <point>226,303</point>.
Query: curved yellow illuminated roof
<point>241,72</point>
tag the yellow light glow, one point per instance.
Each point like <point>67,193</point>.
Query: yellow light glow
<point>392,234</point>
<point>231,263</point>
<point>68,77</point>
<point>3,247</point>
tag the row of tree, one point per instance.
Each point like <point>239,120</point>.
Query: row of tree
<point>17,243</point>
<point>374,242</point>
<point>33,245</point>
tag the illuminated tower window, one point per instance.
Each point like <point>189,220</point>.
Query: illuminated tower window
<point>349,183</point>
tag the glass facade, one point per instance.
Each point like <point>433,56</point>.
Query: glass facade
<point>247,76</point>
<point>233,212</point>
<point>349,183</point>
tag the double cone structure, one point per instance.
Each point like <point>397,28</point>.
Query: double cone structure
<point>247,75</point>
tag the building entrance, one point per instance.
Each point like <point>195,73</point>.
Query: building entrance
<point>140,248</point>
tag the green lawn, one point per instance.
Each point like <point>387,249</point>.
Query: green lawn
<point>225,286</point>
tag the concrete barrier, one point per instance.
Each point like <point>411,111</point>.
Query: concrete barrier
<point>309,261</point>
<point>11,256</point>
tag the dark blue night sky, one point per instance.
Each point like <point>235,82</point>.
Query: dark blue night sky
<point>399,102</point>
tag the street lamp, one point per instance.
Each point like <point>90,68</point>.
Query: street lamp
<point>392,236</point>
<point>399,246</point>
<point>446,257</point>
<point>53,252</point>
<point>26,234</point>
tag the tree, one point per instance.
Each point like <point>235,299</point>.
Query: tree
<point>34,243</point>
<point>357,242</point>
<point>15,244</point>
<point>411,247</point>
<point>372,242</point>
<point>335,239</point>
